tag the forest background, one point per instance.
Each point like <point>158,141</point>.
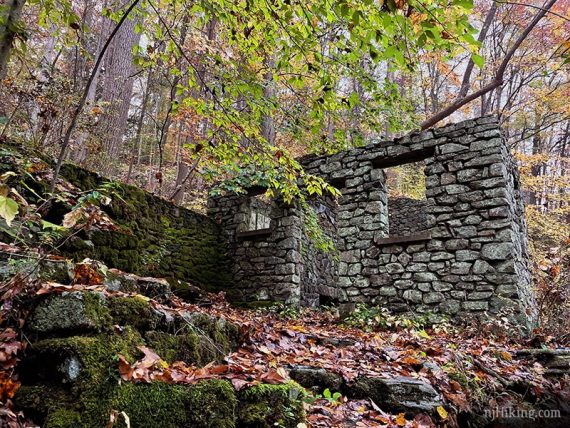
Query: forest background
<point>174,95</point>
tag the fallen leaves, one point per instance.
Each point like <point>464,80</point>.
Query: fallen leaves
<point>449,358</point>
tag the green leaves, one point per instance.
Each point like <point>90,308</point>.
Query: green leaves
<point>311,66</point>
<point>8,209</point>
<point>466,4</point>
<point>478,60</point>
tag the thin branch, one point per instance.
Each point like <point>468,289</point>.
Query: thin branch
<point>534,7</point>
<point>499,75</point>
<point>466,83</point>
<point>82,101</point>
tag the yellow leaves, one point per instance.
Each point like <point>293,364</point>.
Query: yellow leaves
<point>401,420</point>
<point>418,18</point>
<point>505,355</point>
<point>442,412</point>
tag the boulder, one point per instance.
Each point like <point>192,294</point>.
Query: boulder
<point>316,379</point>
<point>400,394</point>
<point>69,312</point>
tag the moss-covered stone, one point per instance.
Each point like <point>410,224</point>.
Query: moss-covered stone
<point>171,348</point>
<point>63,418</point>
<point>264,406</point>
<point>133,311</point>
<point>210,403</point>
<point>78,374</point>
<point>204,405</point>
<point>216,336</point>
<point>157,238</point>
<point>70,313</point>
<point>78,359</point>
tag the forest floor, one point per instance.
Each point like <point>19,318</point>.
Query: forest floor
<point>473,367</point>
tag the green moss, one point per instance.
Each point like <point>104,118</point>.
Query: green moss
<point>70,313</point>
<point>265,406</point>
<point>63,418</point>
<point>78,374</point>
<point>96,309</point>
<point>154,229</point>
<point>216,337</point>
<point>207,404</point>
<point>171,348</point>
<point>133,311</point>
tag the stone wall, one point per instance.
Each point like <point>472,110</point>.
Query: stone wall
<point>319,269</point>
<point>406,216</point>
<point>155,237</point>
<point>265,264</point>
<point>472,255</point>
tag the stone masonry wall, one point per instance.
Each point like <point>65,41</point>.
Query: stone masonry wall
<point>155,238</point>
<point>472,255</point>
<point>265,265</point>
<point>406,216</point>
<point>319,269</point>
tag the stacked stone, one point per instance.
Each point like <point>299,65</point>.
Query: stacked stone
<point>318,273</point>
<point>362,215</point>
<point>477,257</point>
<point>265,266</point>
<point>406,216</point>
<point>472,257</point>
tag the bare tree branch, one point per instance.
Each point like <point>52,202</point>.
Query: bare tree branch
<point>466,83</point>
<point>499,75</point>
<point>79,108</point>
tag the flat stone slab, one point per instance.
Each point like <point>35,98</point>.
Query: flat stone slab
<point>400,394</point>
<point>317,379</point>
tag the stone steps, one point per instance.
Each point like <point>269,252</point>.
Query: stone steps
<point>399,394</point>
<point>69,371</point>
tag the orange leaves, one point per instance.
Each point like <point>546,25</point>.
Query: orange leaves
<point>8,387</point>
<point>125,369</point>
<point>152,368</point>
<point>85,273</point>
<point>275,377</point>
<point>9,348</point>
<point>401,420</point>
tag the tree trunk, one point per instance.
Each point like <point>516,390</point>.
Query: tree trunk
<point>267,121</point>
<point>9,17</point>
<point>117,87</point>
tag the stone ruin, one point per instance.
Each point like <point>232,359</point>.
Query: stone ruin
<point>462,250</point>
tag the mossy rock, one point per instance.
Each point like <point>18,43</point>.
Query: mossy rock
<point>63,418</point>
<point>69,313</point>
<point>264,406</point>
<point>78,359</point>
<point>77,374</point>
<point>171,348</point>
<point>217,337</point>
<point>210,403</point>
<point>133,311</point>
<point>160,238</point>
<point>207,404</point>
